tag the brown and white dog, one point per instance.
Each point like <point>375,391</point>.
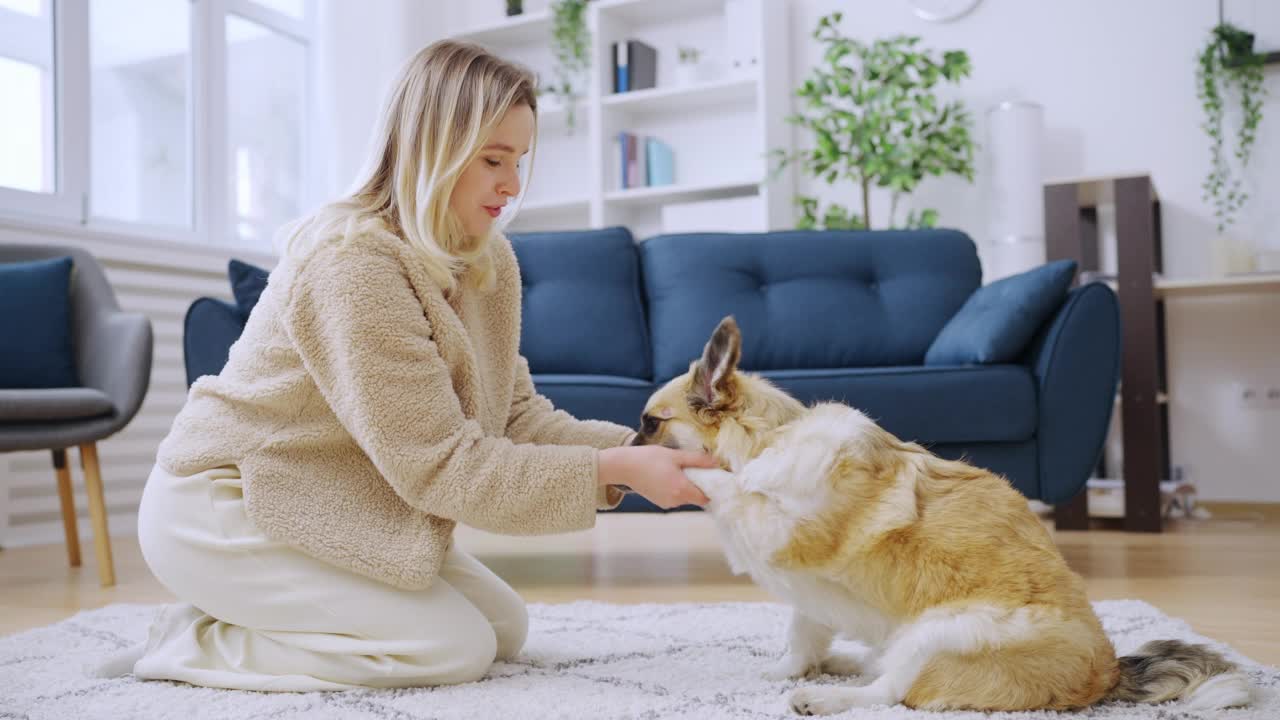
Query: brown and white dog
<point>939,567</point>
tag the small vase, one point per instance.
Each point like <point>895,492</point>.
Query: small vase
<point>1227,256</point>
<point>1267,260</point>
<point>686,73</point>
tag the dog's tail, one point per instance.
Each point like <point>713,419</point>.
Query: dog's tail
<point>1165,670</point>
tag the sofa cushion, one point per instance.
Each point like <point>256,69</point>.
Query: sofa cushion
<point>582,309</point>
<point>998,321</point>
<point>247,283</point>
<point>806,299</point>
<point>45,404</point>
<point>989,403</point>
<point>35,325</point>
<point>597,397</point>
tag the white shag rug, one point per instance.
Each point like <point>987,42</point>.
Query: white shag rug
<point>582,660</point>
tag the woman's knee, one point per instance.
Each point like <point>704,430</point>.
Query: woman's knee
<point>476,656</point>
<point>511,629</point>
<point>463,655</point>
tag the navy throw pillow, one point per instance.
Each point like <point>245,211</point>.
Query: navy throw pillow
<point>247,283</point>
<point>35,325</point>
<point>998,320</point>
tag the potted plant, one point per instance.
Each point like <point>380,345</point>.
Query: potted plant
<point>1228,62</point>
<point>687,59</point>
<point>515,7</point>
<point>876,120</point>
<point>571,47</point>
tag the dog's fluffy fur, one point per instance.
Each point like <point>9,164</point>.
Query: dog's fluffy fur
<point>938,567</point>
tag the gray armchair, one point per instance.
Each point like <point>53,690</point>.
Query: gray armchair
<point>113,359</point>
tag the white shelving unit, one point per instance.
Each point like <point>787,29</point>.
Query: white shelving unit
<point>721,128</point>
<point>1250,282</point>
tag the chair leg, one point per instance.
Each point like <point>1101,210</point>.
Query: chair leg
<point>98,513</point>
<point>68,502</point>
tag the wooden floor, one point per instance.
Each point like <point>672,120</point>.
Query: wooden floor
<point>1221,575</point>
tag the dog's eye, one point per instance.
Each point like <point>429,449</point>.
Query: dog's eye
<point>649,424</point>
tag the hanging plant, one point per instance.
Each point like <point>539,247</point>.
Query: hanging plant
<point>877,120</point>
<point>1228,61</point>
<point>571,46</point>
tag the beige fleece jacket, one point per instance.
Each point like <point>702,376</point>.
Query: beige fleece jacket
<point>368,414</point>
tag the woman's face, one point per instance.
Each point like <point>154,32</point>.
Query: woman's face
<point>493,177</point>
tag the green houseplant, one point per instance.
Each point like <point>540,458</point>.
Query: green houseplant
<point>876,119</point>
<point>1228,61</point>
<point>571,47</point>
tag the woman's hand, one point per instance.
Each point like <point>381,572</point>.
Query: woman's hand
<point>655,472</point>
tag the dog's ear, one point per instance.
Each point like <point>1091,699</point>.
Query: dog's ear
<point>713,372</point>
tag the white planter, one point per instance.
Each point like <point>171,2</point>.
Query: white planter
<point>1228,255</point>
<point>1268,260</point>
<point>687,73</point>
<point>1015,156</point>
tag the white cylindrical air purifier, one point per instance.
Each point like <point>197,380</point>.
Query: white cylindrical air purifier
<point>1015,137</point>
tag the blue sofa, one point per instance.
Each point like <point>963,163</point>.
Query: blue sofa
<point>834,315</point>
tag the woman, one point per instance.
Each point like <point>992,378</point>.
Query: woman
<point>302,507</point>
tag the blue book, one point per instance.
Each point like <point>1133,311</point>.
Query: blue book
<point>661,162</point>
<point>624,164</point>
<point>621,73</point>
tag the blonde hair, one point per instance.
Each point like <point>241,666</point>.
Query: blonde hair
<point>445,102</point>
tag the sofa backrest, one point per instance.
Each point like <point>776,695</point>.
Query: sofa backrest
<point>806,299</point>
<point>583,311</point>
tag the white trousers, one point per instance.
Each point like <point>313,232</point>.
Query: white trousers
<point>257,614</point>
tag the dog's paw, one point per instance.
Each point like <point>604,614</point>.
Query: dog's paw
<point>842,664</point>
<point>790,667</point>
<point>715,483</point>
<point>820,701</point>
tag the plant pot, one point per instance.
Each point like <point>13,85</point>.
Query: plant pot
<point>687,73</point>
<point>1267,261</point>
<point>1237,46</point>
<point>1228,256</point>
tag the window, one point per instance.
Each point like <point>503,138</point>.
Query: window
<point>26,84</point>
<point>183,118</point>
<point>140,99</point>
<point>266,73</point>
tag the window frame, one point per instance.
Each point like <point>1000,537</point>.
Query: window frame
<point>69,93</point>
<point>207,111</point>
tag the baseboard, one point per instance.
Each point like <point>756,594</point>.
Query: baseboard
<point>1227,510</point>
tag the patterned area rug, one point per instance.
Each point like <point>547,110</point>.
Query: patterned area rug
<point>582,660</point>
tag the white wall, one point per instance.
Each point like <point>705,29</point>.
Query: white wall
<point>360,47</point>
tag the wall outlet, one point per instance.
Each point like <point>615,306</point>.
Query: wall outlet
<point>1271,398</point>
<point>1249,397</point>
<point>1259,397</point>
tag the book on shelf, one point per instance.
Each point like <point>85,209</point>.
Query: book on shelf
<point>635,66</point>
<point>643,161</point>
<point>660,162</point>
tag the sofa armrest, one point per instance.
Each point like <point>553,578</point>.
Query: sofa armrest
<point>1075,359</point>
